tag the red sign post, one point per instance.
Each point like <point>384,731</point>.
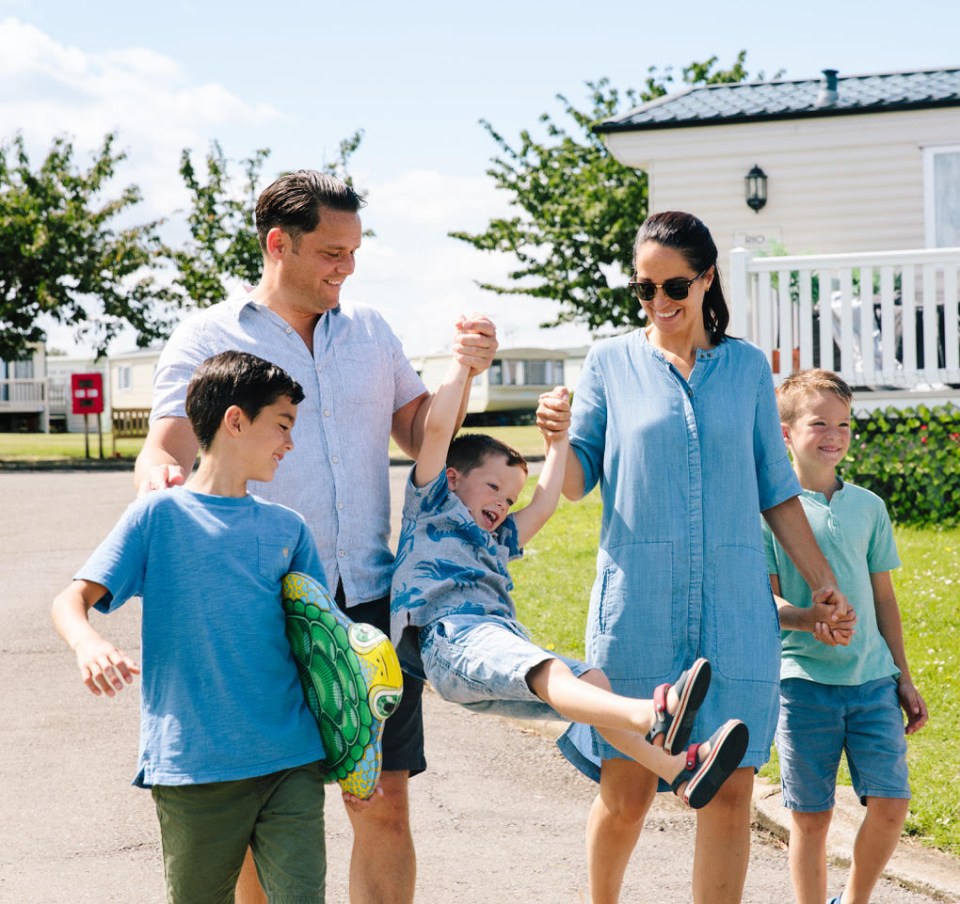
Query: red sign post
<point>86,393</point>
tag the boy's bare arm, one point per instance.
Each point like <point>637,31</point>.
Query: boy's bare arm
<point>789,524</point>
<point>474,345</point>
<point>103,668</point>
<point>441,422</point>
<point>891,629</point>
<point>546,495</point>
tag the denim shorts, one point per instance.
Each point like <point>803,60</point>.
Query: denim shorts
<point>818,721</point>
<point>205,830</point>
<point>482,662</point>
<point>402,740</point>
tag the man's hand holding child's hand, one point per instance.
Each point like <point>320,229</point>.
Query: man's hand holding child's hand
<point>475,342</point>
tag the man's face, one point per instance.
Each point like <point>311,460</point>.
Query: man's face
<point>488,490</point>
<point>313,269</point>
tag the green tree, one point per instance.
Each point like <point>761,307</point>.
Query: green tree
<point>578,209</point>
<point>223,243</point>
<point>65,256</point>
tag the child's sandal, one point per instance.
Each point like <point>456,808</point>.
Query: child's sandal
<point>691,688</point>
<point>728,744</point>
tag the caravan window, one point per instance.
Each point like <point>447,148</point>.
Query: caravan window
<point>942,196</point>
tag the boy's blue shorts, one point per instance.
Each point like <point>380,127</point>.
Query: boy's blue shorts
<point>818,721</point>
<point>482,663</point>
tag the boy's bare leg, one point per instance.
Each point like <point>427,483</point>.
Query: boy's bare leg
<point>874,845</point>
<point>722,851</point>
<point>248,884</point>
<point>383,862</point>
<point>627,791</point>
<point>808,855</point>
<point>589,699</point>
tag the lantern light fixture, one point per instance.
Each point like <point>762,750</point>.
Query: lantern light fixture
<point>756,188</point>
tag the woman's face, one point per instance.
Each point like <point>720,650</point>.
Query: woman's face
<point>657,264</point>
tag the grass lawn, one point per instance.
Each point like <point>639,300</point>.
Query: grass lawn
<point>553,582</point>
<point>52,446</point>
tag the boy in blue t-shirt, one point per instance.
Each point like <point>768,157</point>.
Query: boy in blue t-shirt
<point>844,673</point>
<point>227,743</point>
<point>452,615</point>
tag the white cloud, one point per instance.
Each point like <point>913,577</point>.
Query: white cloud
<point>422,280</point>
<point>49,89</point>
<point>412,271</point>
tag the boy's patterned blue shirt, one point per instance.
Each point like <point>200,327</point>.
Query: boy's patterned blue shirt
<point>446,563</point>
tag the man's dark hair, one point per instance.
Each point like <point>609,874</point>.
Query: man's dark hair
<point>470,450</point>
<point>293,202</point>
<point>234,378</point>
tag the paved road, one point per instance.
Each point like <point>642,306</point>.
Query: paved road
<point>499,816</point>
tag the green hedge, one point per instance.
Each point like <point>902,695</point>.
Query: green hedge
<point>910,457</point>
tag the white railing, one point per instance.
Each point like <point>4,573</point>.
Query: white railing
<point>23,395</point>
<point>810,311</point>
<point>45,397</point>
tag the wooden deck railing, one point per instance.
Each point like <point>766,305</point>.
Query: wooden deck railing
<point>129,423</point>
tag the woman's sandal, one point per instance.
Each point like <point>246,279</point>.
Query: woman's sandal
<point>728,744</point>
<point>691,688</point>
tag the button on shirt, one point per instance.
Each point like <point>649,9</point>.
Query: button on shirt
<point>337,476</point>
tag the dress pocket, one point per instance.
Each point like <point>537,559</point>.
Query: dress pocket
<point>744,616</point>
<point>630,626</point>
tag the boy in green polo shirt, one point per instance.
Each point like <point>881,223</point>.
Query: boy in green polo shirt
<point>844,674</point>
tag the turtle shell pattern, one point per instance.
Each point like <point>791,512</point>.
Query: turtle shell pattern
<point>351,680</point>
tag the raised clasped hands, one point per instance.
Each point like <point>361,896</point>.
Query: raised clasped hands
<point>475,342</point>
<point>553,412</point>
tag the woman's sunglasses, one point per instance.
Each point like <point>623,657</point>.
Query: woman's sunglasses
<point>677,289</point>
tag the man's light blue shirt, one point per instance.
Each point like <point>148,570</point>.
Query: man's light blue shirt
<point>337,476</point>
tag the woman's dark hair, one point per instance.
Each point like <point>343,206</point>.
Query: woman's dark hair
<point>471,450</point>
<point>685,233</point>
<point>234,378</point>
<point>293,203</point>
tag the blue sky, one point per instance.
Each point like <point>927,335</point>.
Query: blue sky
<point>416,77</point>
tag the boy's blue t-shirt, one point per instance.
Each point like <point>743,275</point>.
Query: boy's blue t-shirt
<point>220,698</point>
<point>446,563</point>
<point>854,532</point>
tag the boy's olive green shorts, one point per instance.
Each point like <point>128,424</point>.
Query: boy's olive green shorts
<point>205,830</point>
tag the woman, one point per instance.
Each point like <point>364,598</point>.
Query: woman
<point>678,422</point>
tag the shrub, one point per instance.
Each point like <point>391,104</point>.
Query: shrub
<point>911,458</point>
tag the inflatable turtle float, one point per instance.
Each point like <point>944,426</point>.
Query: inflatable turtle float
<point>351,680</point>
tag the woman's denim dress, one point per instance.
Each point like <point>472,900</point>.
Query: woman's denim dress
<point>685,468</point>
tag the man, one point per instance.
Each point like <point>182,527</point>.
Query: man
<point>360,390</point>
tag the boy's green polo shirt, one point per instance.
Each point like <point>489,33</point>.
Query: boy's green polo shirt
<point>854,532</point>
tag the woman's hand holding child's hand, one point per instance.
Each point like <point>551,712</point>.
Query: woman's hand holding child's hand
<point>553,412</point>
<point>833,626</point>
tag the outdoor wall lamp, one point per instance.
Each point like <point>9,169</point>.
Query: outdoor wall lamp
<point>756,185</point>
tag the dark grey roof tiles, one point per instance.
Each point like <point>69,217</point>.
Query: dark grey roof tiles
<point>715,104</point>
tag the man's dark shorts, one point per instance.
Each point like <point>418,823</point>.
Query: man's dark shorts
<point>403,731</point>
